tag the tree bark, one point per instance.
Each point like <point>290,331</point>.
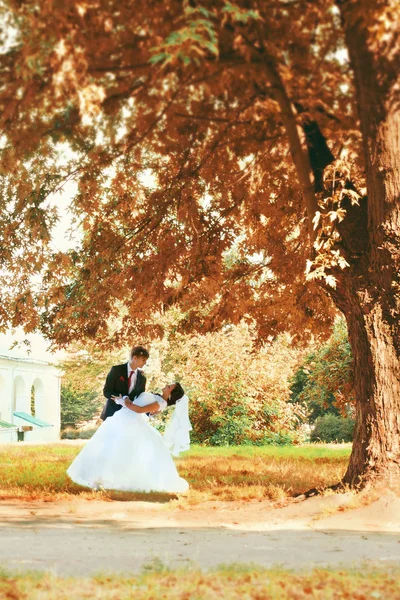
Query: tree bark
<point>376,445</point>
<point>369,291</point>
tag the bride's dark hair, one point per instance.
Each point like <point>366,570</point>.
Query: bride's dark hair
<point>176,394</point>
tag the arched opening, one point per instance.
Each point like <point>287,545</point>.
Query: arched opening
<point>38,408</point>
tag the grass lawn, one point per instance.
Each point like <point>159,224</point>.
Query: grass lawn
<point>231,583</point>
<point>232,473</point>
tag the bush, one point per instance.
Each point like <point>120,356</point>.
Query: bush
<point>324,383</point>
<point>78,434</point>
<point>332,428</point>
<point>238,390</point>
<point>279,438</point>
<point>233,427</point>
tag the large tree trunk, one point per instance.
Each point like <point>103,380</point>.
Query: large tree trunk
<point>369,292</point>
<point>376,445</point>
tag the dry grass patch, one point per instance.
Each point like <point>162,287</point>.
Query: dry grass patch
<point>231,583</point>
<point>234,473</point>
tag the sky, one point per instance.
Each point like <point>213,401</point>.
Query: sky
<point>62,240</point>
<point>38,348</point>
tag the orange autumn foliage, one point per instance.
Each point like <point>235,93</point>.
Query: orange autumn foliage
<point>272,132</point>
<point>238,392</point>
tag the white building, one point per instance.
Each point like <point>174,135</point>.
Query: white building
<point>29,400</point>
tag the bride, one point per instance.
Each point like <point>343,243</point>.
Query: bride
<point>126,453</point>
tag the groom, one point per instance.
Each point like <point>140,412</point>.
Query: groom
<point>125,380</point>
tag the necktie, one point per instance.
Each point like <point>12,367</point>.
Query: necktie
<point>129,379</point>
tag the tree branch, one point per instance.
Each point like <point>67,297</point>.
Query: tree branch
<point>212,119</point>
<point>299,156</point>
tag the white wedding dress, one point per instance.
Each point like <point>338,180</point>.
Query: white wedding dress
<point>126,453</point>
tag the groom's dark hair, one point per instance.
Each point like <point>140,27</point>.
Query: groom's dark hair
<point>139,351</point>
<point>176,394</point>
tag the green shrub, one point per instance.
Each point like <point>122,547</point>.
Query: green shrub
<point>324,383</point>
<point>232,428</point>
<point>77,406</point>
<point>278,438</point>
<point>332,428</point>
<point>76,434</point>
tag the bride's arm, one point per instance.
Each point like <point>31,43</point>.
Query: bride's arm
<point>149,408</point>
<point>154,407</point>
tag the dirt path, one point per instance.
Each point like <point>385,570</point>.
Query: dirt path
<point>86,537</point>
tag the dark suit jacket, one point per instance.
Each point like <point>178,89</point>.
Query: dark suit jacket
<point>117,385</point>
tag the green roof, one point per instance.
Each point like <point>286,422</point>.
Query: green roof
<point>33,420</point>
<point>5,425</point>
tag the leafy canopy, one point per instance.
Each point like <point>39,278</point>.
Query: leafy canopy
<point>103,93</point>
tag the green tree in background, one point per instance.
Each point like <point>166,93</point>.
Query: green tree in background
<point>85,371</point>
<point>77,407</point>
<point>332,428</point>
<point>325,381</point>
